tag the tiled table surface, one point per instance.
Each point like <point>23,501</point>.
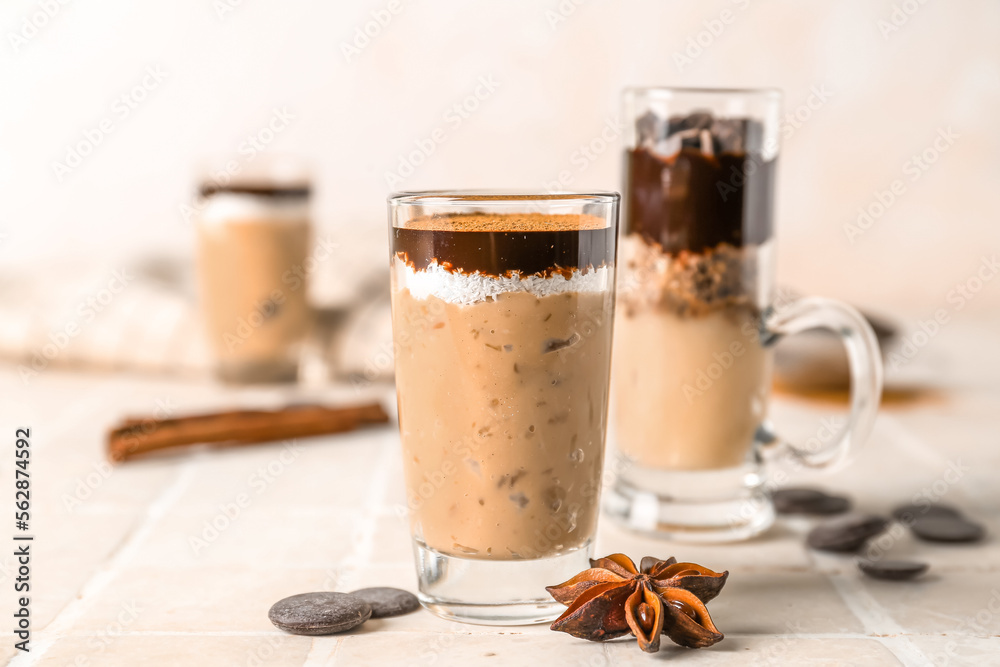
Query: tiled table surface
<point>120,578</point>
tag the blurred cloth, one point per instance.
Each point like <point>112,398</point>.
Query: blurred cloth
<point>98,317</point>
<point>144,317</point>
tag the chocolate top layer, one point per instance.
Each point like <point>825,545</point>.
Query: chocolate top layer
<point>500,245</point>
<point>289,191</point>
<point>695,201</point>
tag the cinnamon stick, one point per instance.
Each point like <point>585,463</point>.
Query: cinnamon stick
<point>136,436</point>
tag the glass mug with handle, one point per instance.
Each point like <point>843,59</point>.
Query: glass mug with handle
<point>697,319</point>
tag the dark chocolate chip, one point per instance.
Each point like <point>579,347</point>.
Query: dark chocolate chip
<point>556,344</point>
<point>801,500</point>
<point>847,533</point>
<point>829,505</point>
<point>729,134</point>
<point>892,570</point>
<point>698,120</point>
<point>386,601</point>
<point>798,495</point>
<point>519,499</point>
<point>947,529</point>
<point>910,513</point>
<point>319,613</point>
<point>650,128</point>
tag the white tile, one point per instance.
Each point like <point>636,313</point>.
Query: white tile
<point>950,603</point>
<point>761,603</point>
<point>218,598</point>
<point>506,647</point>
<point>276,650</point>
<point>391,543</point>
<point>250,537</point>
<point>957,650</point>
<point>763,651</point>
<point>64,556</point>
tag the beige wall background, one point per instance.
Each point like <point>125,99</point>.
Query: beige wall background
<point>869,83</point>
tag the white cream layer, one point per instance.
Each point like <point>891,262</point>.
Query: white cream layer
<point>470,288</point>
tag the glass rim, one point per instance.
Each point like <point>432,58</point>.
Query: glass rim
<point>497,197</point>
<point>670,91</point>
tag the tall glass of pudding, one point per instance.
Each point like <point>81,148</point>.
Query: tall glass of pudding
<point>502,308</point>
<point>698,317</point>
<point>253,241</point>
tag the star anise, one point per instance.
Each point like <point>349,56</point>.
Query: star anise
<point>613,599</point>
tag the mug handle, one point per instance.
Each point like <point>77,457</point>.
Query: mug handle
<point>864,360</point>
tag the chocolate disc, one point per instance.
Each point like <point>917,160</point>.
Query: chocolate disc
<point>804,500</point>
<point>947,529</point>
<point>386,601</point>
<point>892,570</point>
<point>319,613</point>
<point>910,513</point>
<point>847,533</point>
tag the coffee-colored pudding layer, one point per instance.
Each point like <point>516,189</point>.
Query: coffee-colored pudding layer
<point>502,382</point>
<point>692,411</point>
<point>691,375</point>
<point>256,316</point>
